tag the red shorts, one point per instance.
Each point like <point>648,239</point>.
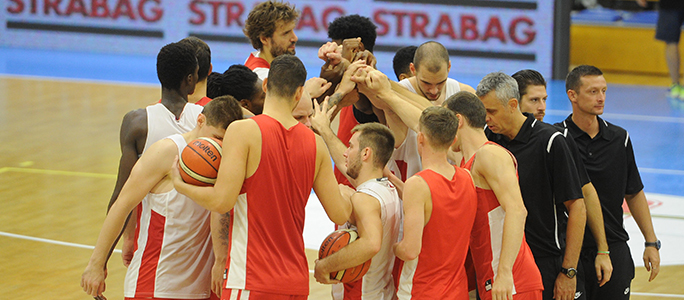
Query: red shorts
<point>255,295</point>
<point>213,297</point>
<point>531,295</point>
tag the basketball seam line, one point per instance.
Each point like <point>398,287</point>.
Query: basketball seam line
<point>200,155</point>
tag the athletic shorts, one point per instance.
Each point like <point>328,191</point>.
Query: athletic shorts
<point>550,267</point>
<point>623,272</point>
<point>232,294</point>
<point>213,297</point>
<point>669,27</point>
<point>531,295</point>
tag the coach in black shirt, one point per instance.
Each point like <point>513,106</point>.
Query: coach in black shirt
<point>549,184</point>
<point>608,157</point>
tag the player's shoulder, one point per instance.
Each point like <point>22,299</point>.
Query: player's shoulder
<point>135,122</point>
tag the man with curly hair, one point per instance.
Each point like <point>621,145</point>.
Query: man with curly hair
<point>270,29</point>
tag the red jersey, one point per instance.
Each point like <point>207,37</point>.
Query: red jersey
<point>485,245</point>
<point>347,123</point>
<point>266,251</point>
<point>258,65</point>
<point>438,272</point>
<point>203,101</point>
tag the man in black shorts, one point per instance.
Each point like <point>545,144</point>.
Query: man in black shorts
<point>608,157</point>
<point>668,30</point>
<point>549,184</point>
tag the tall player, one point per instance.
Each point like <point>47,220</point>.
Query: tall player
<point>376,216</point>
<point>274,163</point>
<point>503,261</point>
<point>173,257</point>
<point>177,69</point>
<point>439,197</point>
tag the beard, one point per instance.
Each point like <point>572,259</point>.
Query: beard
<point>353,167</point>
<point>278,51</point>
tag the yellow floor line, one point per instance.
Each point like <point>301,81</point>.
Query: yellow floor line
<point>57,172</point>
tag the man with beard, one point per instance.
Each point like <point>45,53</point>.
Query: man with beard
<point>270,29</point>
<point>376,215</point>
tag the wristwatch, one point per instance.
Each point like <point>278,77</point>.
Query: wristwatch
<point>655,244</point>
<point>570,272</point>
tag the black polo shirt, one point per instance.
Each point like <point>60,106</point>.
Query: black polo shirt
<point>548,177</point>
<point>609,160</point>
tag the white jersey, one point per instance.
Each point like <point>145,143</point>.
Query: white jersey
<point>378,283</point>
<point>173,255</point>
<point>451,87</point>
<point>162,123</point>
<point>405,160</point>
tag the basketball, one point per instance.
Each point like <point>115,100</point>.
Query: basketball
<point>333,243</point>
<point>199,161</point>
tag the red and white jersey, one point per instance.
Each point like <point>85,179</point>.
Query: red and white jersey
<point>173,255</point>
<point>266,251</point>
<point>405,161</point>
<point>347,122</point>
<point>162,123</point>
<point>438,272</point>
<point>378,283</point>
<point>486,240</point>
<point>451,87</point>
<point>258,65</point>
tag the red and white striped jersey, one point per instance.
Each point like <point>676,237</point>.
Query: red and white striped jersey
<point>173,255</point>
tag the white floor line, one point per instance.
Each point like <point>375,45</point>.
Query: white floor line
<point>35,239</point>
<point>30,238</point>
<point>658,295</point>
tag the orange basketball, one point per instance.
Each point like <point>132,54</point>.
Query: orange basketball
<point>199,161</point>
<point>333,243</point>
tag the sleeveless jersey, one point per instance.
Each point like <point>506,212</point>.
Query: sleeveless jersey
<point>258,65</point>
<point>438,272</point>
<point>378,283</point>
<point>173,257</point>
<point>347,123</point>
<point>162,123</point>
<point>405,161</point>
<point>485,244</point>
<point>266,251</point>
<point>451,87</point>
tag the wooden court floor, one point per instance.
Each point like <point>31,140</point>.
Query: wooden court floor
<point>58,159</point>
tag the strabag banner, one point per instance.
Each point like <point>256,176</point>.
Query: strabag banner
<point>481,35</point>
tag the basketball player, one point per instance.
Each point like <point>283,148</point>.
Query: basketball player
<point>274,163</point>
<point>203,53</point>
<point>304,110</point>
<point>533,96</point>
<point>549,184</point>
<point>606,151</point>
<point>173,257</point>
<point>270,28</point>
<point>439,210</point>
<point>401,63</point>
<point>376,216</point>
<point>503,261</point>
<point>177,70</point>
<point>241,83</point>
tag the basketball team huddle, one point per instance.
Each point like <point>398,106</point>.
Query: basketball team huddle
<point>452,192</point>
